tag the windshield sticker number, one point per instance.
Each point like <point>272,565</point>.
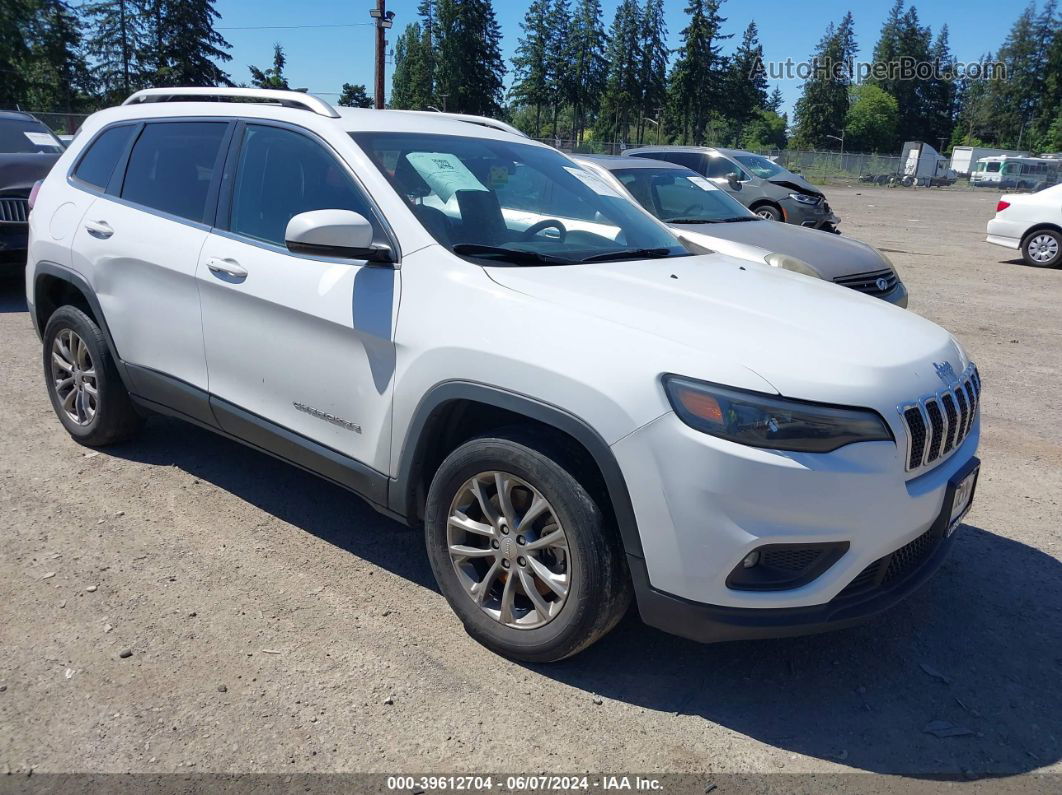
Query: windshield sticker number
<point>701,183</point>
<point>41,139</point>
<point>444,173</point>
<point>593,181</point>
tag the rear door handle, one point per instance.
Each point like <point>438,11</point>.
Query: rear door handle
<point>100,229</point>
<point>227,267</point>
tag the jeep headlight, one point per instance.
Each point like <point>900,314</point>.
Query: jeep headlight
<point>785,262</point>
<point>760,420</point>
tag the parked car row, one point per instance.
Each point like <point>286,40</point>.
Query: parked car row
<point>28,150</point>
<point>486,339</point>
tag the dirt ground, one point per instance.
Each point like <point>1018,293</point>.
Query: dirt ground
<point>277,624</point>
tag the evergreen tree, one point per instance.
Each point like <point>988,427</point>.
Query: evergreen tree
<point>696,84</point>
<point>272,77</point>
<point>116,43</point>
<point>16,17</point>
<point>652,70</point>
<point>411,82</point>
<point>560,15</point>
<point>185,45</point>
<point>56,71</point>
<point>823,105</point>
<point>429,49</point>
<point>468,66</point>
<point>622,95</point>
<point>940,91</point>
<point>583,81</point>
<point>904,43</point>
<point>775,101</point>
<point>747,93</point>
<point>355,96</point>
<point>533,64</point>
<point>1049,127</point>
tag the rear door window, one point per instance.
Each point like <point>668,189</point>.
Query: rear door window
<point>97,164</point>
<point>172,166</point>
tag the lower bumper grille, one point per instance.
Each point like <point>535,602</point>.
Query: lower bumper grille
<point>876,283</point>
<point>896,565</point>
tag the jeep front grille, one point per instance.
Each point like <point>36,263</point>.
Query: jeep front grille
<point>937,424</point>
<point>876,283</point>
<point>13,211</point>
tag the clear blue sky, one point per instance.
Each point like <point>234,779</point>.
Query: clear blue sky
<point>323,58</point>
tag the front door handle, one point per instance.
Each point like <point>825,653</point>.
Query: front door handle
<point>99,229</point>
<point>227,267</point>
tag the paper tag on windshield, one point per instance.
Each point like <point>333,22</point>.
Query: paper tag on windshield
<point>593,181</point>
<point>444,173</point>
<point>701,183</point>
<point>40,139</point>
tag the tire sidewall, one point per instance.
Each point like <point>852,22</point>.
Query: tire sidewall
<point>1054,263</point>
<point>582,524</point>
<point>69,317</point>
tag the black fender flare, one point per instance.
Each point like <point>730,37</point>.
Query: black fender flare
<point>77,280</point>
<point>401,491</point>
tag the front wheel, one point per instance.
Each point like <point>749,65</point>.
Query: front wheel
<point>83,383</point>
<point>769,212</point>
<point>521,551</point>
<point>1042,248</point>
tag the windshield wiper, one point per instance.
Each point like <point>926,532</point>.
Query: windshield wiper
<point>629,253</point>
<point>511,254</point>
<point>744,218</point>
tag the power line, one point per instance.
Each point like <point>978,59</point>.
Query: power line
<point>297,27</point>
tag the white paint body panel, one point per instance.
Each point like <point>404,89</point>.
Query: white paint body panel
<point>1026,211</point>
<point>367,343</point>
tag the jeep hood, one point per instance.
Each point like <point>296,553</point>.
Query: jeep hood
<point>830,255</point>
<point>808,338</point>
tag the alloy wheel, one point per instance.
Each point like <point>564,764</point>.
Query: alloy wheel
<point>509,550</point>
<point>1043,248</point>
<point>74,377</point>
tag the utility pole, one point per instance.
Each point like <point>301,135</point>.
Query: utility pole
<point>384,20</point>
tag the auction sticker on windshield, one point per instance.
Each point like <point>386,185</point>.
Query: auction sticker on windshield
<point>593,181</point>
<point>444,173</point>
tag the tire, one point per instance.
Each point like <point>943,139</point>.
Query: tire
<point>768,211</point>
<point>1042,248</point>
<point>589,556</point>
<point>97,418</point>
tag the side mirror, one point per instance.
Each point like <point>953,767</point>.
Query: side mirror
<point>335,233</point>
<point>732,178</point>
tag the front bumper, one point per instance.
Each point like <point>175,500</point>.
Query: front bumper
<point>879,587</point>
<point>817,216</point>
<point>897,295</point>
<point>702,504</point>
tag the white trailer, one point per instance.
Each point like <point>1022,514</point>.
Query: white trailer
<point>921,164</point>
<point>963,158</point>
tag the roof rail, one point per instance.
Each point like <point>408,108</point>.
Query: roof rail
<point>289,99</point>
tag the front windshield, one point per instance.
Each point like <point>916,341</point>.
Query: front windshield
<point>496,199</point>
<point>760,166</point>
<point>677,196</point>
<point>27,137</point>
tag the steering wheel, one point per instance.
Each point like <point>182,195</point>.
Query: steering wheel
<point>549,223</point>
<point>692,207</point>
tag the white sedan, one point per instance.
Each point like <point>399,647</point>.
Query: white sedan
<point>1031,222</point>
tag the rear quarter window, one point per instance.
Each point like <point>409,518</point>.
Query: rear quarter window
<point>172,165</point>
<point>101,156</point>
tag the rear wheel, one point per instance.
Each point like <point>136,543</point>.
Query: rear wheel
<point>1042,248</point>
<point>768,211</point>
<point>83,383</point>
<point>521,551</point>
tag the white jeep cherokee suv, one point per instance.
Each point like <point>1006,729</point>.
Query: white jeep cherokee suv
<point>482,338</point>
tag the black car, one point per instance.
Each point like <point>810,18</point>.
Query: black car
<point>28,150</point>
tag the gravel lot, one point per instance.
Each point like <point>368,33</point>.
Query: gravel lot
<point>277,624</point>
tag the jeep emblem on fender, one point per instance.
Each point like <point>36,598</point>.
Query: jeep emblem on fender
<point>946,372</point>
